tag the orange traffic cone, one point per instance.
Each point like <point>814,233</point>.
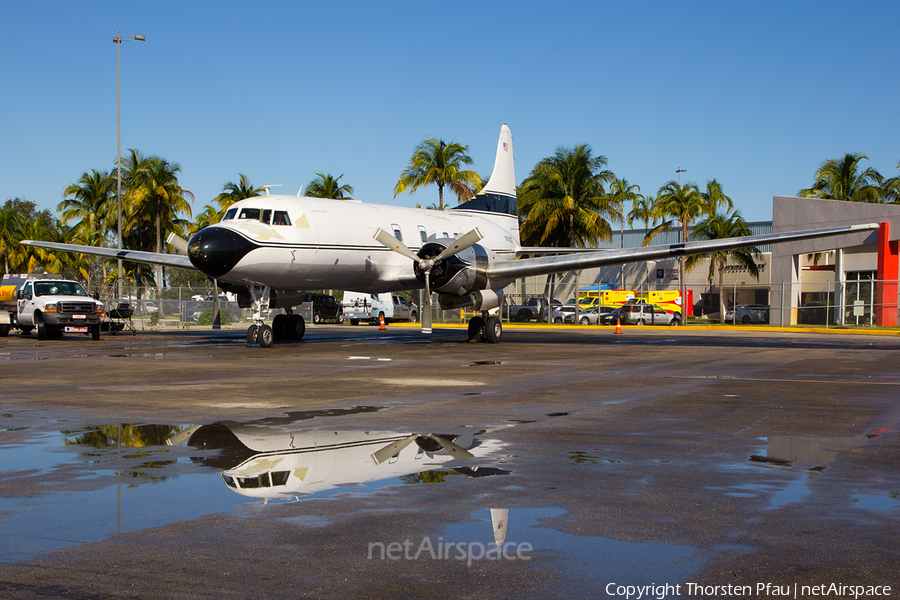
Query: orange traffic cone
<point>382,327</point>
<point>618,327</point>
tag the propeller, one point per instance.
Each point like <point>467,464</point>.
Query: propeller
<point>394,448</point>
<point>177,242</point>
<point>464,241</point>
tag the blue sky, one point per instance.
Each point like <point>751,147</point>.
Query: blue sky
<point>755,94</point>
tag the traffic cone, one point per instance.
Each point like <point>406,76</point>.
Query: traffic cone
<point>382,327</point>
<point>618,327</point>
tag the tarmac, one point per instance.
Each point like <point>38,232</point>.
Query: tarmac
<point>663,462</point>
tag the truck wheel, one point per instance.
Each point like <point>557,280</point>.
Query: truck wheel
<point>414,318</point>
<point>585,321</point>
<point>95,332</point>
<point>523,315</point>
<point>675,322</point>
<point>41,328</point>
<point>354,321</point>
<point>745,320</point>
<point>4,330</point>
<point>317,318</point>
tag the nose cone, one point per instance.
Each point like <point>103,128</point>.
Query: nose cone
<point>216,250</point>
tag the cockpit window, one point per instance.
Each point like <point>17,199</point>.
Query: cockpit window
<point>249,213</point>
<point>281,218</point>
<point>267,214</point>
<point>230,214</point>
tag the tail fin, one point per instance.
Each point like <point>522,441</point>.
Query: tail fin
<point>499,195</point>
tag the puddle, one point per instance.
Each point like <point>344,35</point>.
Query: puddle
<point>479,363</point>
<point>590,563</point>
<point>809,453</point>
<point>83,483</point>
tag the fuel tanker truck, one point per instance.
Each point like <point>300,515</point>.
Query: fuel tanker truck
<point>49,304</point>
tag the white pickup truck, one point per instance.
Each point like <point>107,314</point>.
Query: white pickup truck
<point>359,306</point>
<point>49,304</point>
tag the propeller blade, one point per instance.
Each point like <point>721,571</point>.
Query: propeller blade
<point>177,242</point>
<point>454,450</point>
<point>182,436</point>
<point>426,308</point>
<point>459,244</point>
<point>393,449</point>
<point>388,240</point>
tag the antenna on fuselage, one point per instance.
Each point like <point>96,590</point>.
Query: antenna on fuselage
<point>300,191</point>
<point>271,185</point>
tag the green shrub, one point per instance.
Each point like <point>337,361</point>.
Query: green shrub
<point>206,317</point>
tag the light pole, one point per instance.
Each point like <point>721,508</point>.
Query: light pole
<point>679,170</point>
<point>118,41</point>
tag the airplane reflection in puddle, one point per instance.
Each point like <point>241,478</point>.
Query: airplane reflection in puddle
<point>266,462</point>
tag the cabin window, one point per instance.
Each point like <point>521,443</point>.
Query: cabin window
<point>279,477</point>
<point>267,214</point>
<point>423,234</point>
<point>281,218</point>
<point>397,233</point>
<point>250,213</point>
<point>230,214</point>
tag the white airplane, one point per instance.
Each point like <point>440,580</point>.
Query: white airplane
<point>270,249</point>
<point>270,462</point>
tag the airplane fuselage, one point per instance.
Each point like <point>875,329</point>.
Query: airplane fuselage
<point>329,244</point>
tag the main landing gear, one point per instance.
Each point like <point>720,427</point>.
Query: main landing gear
<point>289,326</point>
<point>485,329</point>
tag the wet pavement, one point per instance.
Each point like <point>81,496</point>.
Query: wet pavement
<point>188,465</point>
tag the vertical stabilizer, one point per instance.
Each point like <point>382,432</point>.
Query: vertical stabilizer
<point>503,178</point>
<point>499,195</point>
<point>499,519</point>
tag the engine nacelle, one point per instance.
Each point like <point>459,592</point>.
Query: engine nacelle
<point>458,275</point>
<point>479,300</point>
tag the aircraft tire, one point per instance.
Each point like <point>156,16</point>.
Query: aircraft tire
<point>41,328</point>
<point>493,330</point>
<point>296,327</point>
<point>265,336</point>
<point>4,330</point>
<point>251,334</point>
<point>476,329</point>
<point>280,327</point>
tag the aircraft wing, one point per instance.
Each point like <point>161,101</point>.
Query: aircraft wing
<point>544,265</point>
<point>154,258</point>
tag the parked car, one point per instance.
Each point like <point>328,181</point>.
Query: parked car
<point>325,308</point>
<point>590,316</point>
<point>748,313</point>
<point>641,313</point>
<point>815,313</point>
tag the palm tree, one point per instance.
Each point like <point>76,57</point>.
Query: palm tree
<point>716,198</point>
<point>563,201</point>
<point>891,189</point>
<point>717,227</point>
<point>92,205</point>
<point>439,162</point>
<point>10,234</point>
<point>233,192</point>
<point>327,186</point>
<point>681,204</point>
<point>641,210</point>
<point>156,197</point>
<point>841,179</point>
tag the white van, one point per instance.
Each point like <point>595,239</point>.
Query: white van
<point>359,306</point>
